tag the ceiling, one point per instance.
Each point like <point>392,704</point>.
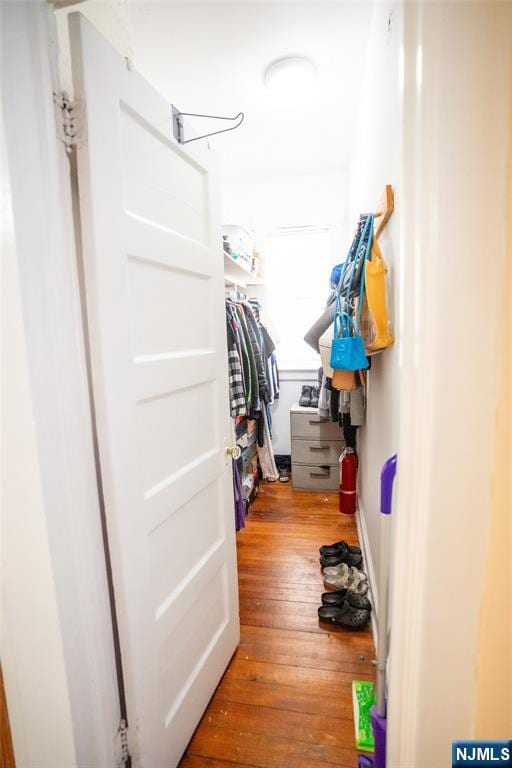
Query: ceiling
<point>210,58</point>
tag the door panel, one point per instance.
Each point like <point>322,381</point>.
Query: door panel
<point>153,268</point>
<point>161,185</point>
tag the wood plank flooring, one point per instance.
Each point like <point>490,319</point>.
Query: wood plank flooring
<point>285,700</point>
<point>6,747</point>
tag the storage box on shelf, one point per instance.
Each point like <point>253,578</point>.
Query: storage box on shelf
<point>242,263</point>
<point>316,447</point>
<point>238,274</point>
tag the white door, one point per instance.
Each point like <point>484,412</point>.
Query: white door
<point>153,266</point>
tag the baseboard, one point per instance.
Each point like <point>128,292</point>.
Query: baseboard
<point>362,532</point>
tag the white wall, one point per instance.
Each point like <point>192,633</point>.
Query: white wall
<point>285,201</point>
<point>457,112</point>
<point>377,161</point>
<point>110,17</point>
<point>493,711</point>
<point>291,385</point>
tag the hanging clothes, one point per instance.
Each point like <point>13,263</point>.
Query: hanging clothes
<point>324,398</point>
<point>235,332</point>
<point>266,454</point>
<point>236,381</point>
<point>253,374</point>
<point>238,494</point>
<point>253,394</point>
<point>257,350</point>
<point>273,377</point>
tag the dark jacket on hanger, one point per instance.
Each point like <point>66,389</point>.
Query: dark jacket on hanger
<point>237,324</point>
<point>260,362</point>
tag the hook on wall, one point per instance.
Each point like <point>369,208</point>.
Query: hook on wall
<point>178,129</point>
<point>385,208</point>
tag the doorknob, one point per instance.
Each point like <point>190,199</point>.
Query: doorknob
<point>234,451</point>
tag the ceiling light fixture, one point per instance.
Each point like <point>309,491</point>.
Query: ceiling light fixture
<point>291,74</point>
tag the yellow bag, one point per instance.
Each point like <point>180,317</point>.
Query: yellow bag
<point>377,329</point>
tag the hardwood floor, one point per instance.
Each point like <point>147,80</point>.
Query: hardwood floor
<point>6,748</point>
<point>285,700</point>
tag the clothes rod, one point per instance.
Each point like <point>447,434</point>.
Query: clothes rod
<point>178,128</point>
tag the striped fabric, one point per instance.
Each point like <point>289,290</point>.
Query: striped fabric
<point>236,387</point>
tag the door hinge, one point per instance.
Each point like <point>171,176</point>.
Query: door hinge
<point>69,120</point>
<point>123,738</point>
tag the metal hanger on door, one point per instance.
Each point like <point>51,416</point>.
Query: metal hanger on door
<point>178,128</point>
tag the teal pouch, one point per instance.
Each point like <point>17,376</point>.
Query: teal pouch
<point>347,351</point>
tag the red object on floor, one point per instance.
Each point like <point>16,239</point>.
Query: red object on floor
<point>348,481</point>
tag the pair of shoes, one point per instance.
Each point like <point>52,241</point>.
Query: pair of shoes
<point>309,396</point>
<point>344,554</point>
<point>336,599</point>
<point>344,576</point>
<point>345,609</point>
<point>332,549</point>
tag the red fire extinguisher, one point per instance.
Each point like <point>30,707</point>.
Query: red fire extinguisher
<point>348,481</point>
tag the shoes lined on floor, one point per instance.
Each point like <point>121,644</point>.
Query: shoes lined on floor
<point>346,606</point>
<point>344,616</point>
<point>333,549</point>
<point>344,576</point>
<point>345,595</point>
<point>343,555</point>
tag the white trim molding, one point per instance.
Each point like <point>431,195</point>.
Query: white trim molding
<point>306,375</point>
<point>60,540</point>
<point>364,540</point>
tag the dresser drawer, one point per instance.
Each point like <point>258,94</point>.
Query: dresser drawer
<point>311,426</point>
<point>317,478</point>
<point>316,452</point>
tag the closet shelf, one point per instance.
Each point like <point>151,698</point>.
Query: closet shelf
<point>238,274</point>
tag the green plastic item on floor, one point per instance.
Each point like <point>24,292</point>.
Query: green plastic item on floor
<point>363,698</point>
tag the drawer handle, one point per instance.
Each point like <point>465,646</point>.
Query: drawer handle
<point>318,447</point>
<point>326,472</point>
<point>317,421</point>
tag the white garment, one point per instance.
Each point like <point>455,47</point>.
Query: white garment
<point>266,454</point>
<point>324,400</point>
